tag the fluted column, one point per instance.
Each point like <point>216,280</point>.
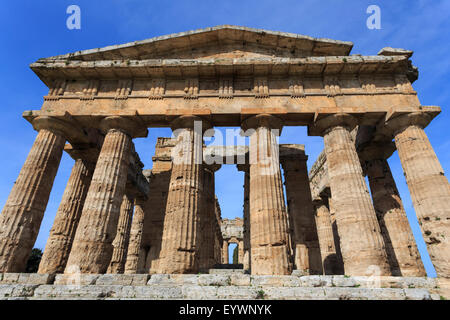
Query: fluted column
<point>246,261</point>
<point>326,238</point>
<point>181,239</point>
<point>429,188</point>
<point>301,212</point>
<point>225,254</point>
<point>121,241</point>
<point>241,252</point>
<point>401,248</point>
<point>133,263</point>
<point>208,219</point>
<point>362,244</point>
<point>270,252</point>
<point>22,214</point>
<point>67,217</point>
<point>92,248</point>
<point>337,242</point>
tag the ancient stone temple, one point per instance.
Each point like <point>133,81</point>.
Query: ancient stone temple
<point>120,224</point>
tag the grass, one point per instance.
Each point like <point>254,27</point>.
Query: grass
<point>260,294</point>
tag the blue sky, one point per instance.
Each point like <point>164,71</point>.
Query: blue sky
<point>35,29</point>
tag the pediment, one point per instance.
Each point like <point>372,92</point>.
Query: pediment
<point>217,42</point>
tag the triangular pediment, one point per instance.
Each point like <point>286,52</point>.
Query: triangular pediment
<point>217,42</point>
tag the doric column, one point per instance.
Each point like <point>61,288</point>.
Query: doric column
<point>225,255</point>
<point>246,261</point>
<point>92,247</point>
<point>401,248</point>
<point>429,188</point>
<point>218,233</point>
<point>208,219</point>
<point>22,214</point>
<point>133,264</point>
<point>180,240</point>
<point>362,244</point>
<point>301,213</point>
<point>326,238</point>
<point>241,252</point>
<point>121,241</point>
<point>337,242</point>
<point>67,217</point>
<point>270,253</point>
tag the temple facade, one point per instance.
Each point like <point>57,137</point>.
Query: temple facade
<point>115,217</point>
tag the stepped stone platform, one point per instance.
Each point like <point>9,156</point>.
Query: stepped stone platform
<point>218,284</point>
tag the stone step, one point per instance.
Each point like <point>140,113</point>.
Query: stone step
<point>226,271</point>
<point>231,285</point>
<point>189,291</point>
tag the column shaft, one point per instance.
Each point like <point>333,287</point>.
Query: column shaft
<point>362,245</point>
<point>92,248</point>
<point>430,193</point>
<point>326,239</point>
<point>180,241</point>
<point>120,243</point>
<point>241,252</point>
<point>61,237</point>
<point>134,264</point>
<point>225,254</point>
<point>22,214</point>
<point>300,207</point>
<point>246,243</point>
<point>269,239</point>
<point>401,248</point>
<point>207,220</point>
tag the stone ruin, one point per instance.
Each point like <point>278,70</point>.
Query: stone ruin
<point>121,230</point>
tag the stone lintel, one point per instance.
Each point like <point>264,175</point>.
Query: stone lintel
<point>232,228</point>
<point>230,116</point>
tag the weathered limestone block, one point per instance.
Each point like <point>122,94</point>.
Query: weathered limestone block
<point>134,247</point>
<point>27,278</point>
<point>181,240</point>
<point>429,188</point>
<point>61,236</point>
<point>120,243</point>
<point>92,248</point>
<point>401,248</point>
<point>122,279</point>
<point>330,261</point>
<point>22,214</point>
<point>270,250</point>
<point>307,253</point>
<point>362,245</point>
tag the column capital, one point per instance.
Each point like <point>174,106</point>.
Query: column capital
<point>243,167</point>
<point>292,163</point>
<point>67,129</point>
<point>188,122</point>
<point>399,123</point>
<point>133,127</point>
<point>89,155</point>
<point>320,200</point>
<point>322,126</point>
<point>212,167</point>
<point>377,151</point>
<point>262,120</point>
